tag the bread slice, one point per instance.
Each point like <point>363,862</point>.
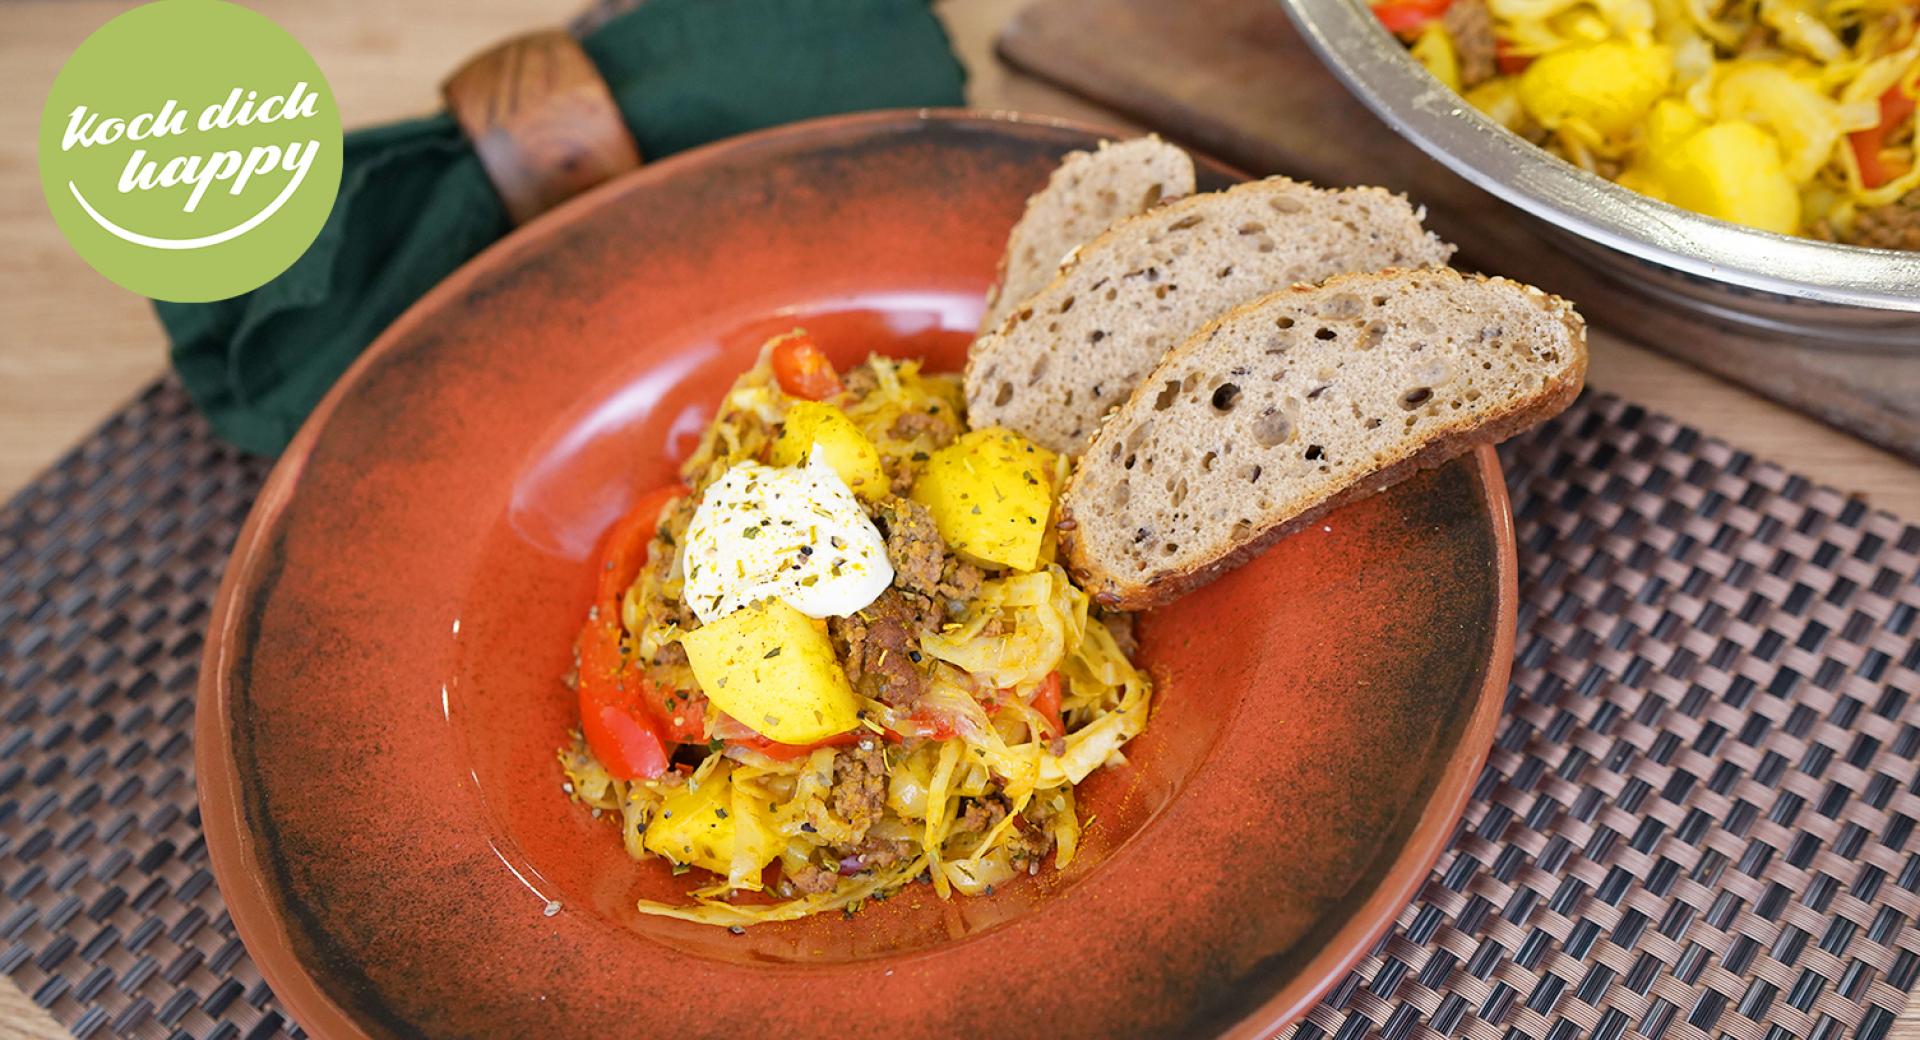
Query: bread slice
<point>1086,195</point>
<point>1075,350</point>
<point>1302,400</point>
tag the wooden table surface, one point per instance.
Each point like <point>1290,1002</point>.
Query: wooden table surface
<point>75,346</point>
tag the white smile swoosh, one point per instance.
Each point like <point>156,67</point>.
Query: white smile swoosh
<point>189,243</point>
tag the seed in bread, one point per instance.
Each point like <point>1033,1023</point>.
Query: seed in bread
<point>1299,401</point>
<point>1075,350</point>
<point>1086,195</point>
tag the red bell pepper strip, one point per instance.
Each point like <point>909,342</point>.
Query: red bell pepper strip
<point>626,553</point>
<point>1046,701</point>
<point>1508,62</point>
<point>803,369</point>
<point>682,714</point>
<point>622,739</point>
<point>1895,106</point>
<point>618,712</point>
<point>784,752</point>
<point>613,717</point>
<point>930,725</point>
<point>1407,16</point>
<point>625,549</point>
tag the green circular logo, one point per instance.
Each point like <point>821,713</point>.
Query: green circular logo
<point>190,150</point>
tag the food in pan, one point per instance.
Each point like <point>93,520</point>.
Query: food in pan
<point>878,636</point>
<point>1795,116</point>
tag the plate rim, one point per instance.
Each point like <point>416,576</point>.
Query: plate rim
<point>1446,803</point>
<point>230,847</point>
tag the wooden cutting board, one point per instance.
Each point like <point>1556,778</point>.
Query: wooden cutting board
<point>1232,78</point>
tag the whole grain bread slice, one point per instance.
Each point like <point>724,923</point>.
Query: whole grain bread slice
<point>1302,400</point>
<point>1088,193</point>
<point>1075,349</point>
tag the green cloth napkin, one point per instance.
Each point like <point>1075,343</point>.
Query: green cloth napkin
<point>414,203</point>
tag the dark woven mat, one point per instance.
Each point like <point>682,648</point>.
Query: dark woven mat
<point>1698,820</point>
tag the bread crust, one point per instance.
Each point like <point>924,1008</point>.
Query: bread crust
<point>1461,436</point>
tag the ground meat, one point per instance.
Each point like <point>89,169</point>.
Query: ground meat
<point>959,583</point>
<point>813,879</point>
<point>662,612</point>
<point>922,564</point>
<point>1120,626</point>
<point>980,816</point>
<point>1032,838</point>
<point>862,857</point>
<point>675,612</point>
<point>1893,226</point>
<point>938,425</point>
<point>1040,813</point>
<point>1028,844</point>
<point>903,478</point>
<point>1029,839</point>
<point>859,791</point>
<point>874,854</point>
<point>880,646</point>
<point>859,381</point>
<point>1470,25</point>
<point>914,546</point>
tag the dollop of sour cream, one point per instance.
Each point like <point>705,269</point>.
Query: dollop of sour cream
<point>796,533</point>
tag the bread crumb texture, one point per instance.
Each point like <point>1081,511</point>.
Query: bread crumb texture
<point>1088,193</point>
<point>1281,404</point>
<point>1077,348</point>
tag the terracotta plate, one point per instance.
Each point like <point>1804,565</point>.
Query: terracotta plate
<point>381,702</point>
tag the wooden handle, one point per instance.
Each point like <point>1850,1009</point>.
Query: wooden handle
<point>542,120</point>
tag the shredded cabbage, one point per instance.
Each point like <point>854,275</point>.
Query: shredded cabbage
<point>1043,614</point>
<point>974,739</point>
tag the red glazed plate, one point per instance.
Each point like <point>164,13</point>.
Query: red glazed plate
<point>381,704</point>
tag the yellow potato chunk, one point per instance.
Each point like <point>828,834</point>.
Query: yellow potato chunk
<point>990,493</point>
<point>772,668</point>
<point>1669,125</point>
<point>1607,86</point>
<point>1733,171</point>
<point>1434,49</point>
<point>1667,129</point>
<point>1499,98</point>
<point>695,824</point>
<point>811,424</point>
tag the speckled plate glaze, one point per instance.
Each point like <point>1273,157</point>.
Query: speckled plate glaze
<point>381,701</point>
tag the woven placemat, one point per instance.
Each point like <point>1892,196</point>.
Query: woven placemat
<point>1698,819</point>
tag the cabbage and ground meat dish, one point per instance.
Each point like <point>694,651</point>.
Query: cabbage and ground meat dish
<point>1795,116</point>
<point>841,658</point>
